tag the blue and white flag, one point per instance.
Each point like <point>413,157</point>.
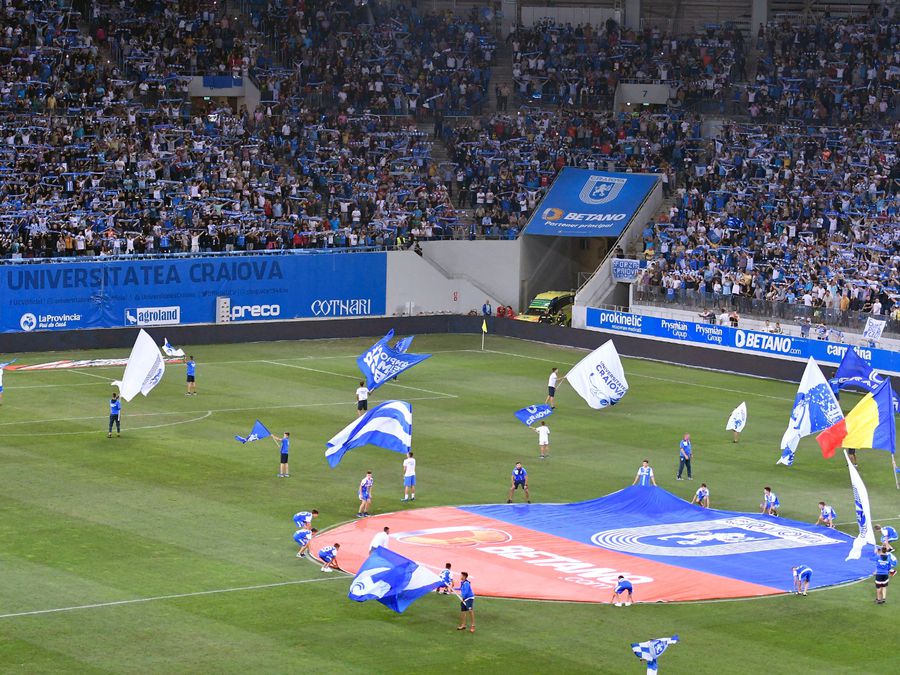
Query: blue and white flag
<point>381,362</point>
<point>738,419</point>
<point>815,408</point>
<point>392,580</point>
<point>403,344</point>
<point>533,413</point>
<point>855,373</point>
<point>144,369</point>
<point>651,650</point>
<point>863,513</point>
<point>259,431</point>
<point>169,350</point>
<point>387,425</point>
<point>599,378</point>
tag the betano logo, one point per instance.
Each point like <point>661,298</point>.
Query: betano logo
<point>554,214</point>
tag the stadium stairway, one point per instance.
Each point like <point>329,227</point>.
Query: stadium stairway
<point>501,74</point>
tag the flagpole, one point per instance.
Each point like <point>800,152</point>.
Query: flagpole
<point>894,467</point>
<point>482,340</point>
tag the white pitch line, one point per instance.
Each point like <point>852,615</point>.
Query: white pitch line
<point>46,386</point>
<point>174,596</point>
<point>85,373</point>
<point>95,431</point>
<point>648,377</point>
<point>355,377</point>
<point>853,522</point>
<point>215,410</point>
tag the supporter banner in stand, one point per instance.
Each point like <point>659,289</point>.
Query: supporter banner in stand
<point>756,342</point>
<point>626,270</point>
<point>585,203</point>
<point>115,293</point>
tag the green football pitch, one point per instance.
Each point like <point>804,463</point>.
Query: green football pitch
<point>169,549</point>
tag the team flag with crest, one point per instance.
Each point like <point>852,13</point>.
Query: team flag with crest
<point>144,369</point>
<point>256,433</point>
<point>855,373</point>
<point>533,413</point>
<point>869,425</point>
<point>863,513</point>
<point>381,362</point>
<point>599,378</point>
<point>392,580</point>
<point>403,344</point>
<point>815,408</point>
<point>738,418</point>
<point>169,350</point>
<point>651,650</point>
<point>387,425</point>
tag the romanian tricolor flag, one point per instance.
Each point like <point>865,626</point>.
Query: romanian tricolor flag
<point>869,425</point>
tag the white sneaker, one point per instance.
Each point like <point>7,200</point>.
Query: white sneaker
<point>628,604</point>
<point>618,604</point>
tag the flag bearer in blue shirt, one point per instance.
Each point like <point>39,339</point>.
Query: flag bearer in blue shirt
<point>191,377</point>
<point>802,575</point>
<point>885,568</point>
<point>285,447</point>
<point>115,409</point>
<point>467,602</point>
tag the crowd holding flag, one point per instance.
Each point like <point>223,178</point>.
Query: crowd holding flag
<point>863,512</point>
<point>387,425</point>
<point>873,329</point>
<point>171,351</point>
<point>533,413</point>
<point>393,580</point>
<point>737,420</point>
<point>144,369</point>
<point>815,408</point>
<point>651,650</point>
<point>855,373</point>
<point>381,362</point>
<point>599,377</point>
<point>258,432</point>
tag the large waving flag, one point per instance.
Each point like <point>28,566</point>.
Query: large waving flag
<point>599,378</point>
<point>533,413</point>
<point>815,408</point>
<point>144,369</point>
<point>869,425</point>
<point>388,425</point>
<point>7,363</point>
<point>651,650</point>
<point>392,580</point>
<point>738,418</point>
<point>855,373</point>
<point>403,344</point>
<point>381,362</point>
<point>863,513</point>
<point>169,350</point>
<point>256,433</point>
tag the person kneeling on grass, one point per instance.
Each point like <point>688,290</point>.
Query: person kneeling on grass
<point>328,556</point>
<point>827,515</point>
<point>303,537</point>
<point>624,586</point>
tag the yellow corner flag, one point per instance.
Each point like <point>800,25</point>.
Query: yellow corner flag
<point>484,326</point>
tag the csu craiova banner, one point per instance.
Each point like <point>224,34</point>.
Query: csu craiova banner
<point>585,203</point>
<point>170,291</point>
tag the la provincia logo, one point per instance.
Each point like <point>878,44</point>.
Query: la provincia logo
<point>28,322</point>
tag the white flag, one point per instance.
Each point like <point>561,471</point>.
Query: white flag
<point>815,408</point>
<point>169,350</point>
<point>863,513</point>
<point>738,418</point>
<point>144,369</point>
<point>598,377</point>
<point>874,328</point>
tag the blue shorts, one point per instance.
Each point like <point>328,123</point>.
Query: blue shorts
<point>409,481</point>
<point>326,558</point>
<point>1,388</point>
<point>303,541</point>
<point>518,484</point>
<point>362,405</point>
<point>467,605</point>
<point>806,576</point>
<point>364,495</point>
<point>190,378</point>
<point>551,391</point>
<point>284,458</point>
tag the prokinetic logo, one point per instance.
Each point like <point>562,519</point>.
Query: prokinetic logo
<point>255,311</point>
<point>629,322</point>
<point>153,316</point>
<point>348,307</point>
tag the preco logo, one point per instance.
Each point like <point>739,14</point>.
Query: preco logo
<point>351,307</point>
<point>255,311</point>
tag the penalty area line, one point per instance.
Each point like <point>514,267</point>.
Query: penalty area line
<point>173,596</point>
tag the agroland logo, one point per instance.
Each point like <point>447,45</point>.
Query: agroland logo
<point>344,307</point>
<point>153,316</point>
<point>255,311</point>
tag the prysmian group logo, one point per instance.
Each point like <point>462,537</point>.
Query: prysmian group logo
<point>153,316</point>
